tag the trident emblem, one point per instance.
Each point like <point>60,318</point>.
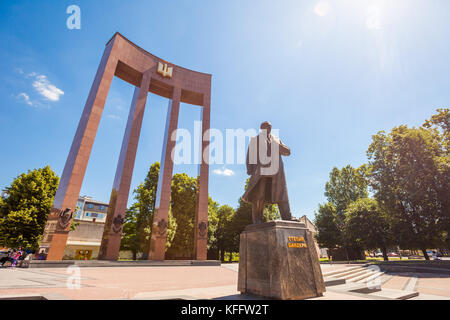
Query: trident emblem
<point>165,70</point>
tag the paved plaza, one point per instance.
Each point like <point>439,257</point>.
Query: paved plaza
<point>181,282</point>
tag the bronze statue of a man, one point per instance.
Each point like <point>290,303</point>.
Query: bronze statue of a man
<point>267,180</point>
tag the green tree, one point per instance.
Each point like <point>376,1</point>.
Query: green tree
<point>224,234</point>
<point>271,212</point>
<point>327,235</point>
<point>180,231</point>
<point>439,124</point>
<point>139,217</point>
<point>23,213</point>
<point>243,217</point>
<point>130,240</point>
<point>367,225</point>
<point>213,224</point>
<point>240,220</point>
<point>410,177</point>
<point>345,186</point>
<point>183,203</point>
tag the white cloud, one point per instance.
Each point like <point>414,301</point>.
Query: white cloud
<point>224,172</point>
<point>113,116</point>
<point>31,75</point>
<point>45,88</point>
<point>322,8</point>
<point>299,43</point>
<point>25,98</point>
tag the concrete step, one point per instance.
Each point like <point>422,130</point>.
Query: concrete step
<point>356,274</point>
<point>354,288</point>
<point>363,276</point>
<point>348,272</point>
<point>411,284</point>
<point>372,277</point>
<point>359,282</point>
<point>331,273</point>
<point>394,294</point>
<point>429,297</point>
<point>385,278</point>
<point>374,293</point>
<point>329,281</point>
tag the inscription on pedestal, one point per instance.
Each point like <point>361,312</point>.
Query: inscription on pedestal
<point>296,242</point>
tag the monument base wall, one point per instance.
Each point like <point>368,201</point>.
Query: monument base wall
<point>278,260</point>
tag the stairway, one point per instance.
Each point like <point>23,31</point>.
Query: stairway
<point>365,280</point>
<point>358,274</point>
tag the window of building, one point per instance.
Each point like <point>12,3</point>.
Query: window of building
<point>90,206</point>
<point>102,208</point>
<point>91,214</point>
<point>79,211</point>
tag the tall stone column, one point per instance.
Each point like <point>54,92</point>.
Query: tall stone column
<point>64,204</point>
<point>162,203</point>
<point>109,249</point>
<point>201,215</point>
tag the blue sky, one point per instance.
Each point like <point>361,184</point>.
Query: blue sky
<point>328,74</point>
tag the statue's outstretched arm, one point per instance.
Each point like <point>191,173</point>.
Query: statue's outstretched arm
<point>284,149</point>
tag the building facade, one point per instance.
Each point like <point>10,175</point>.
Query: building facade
<point>321,252</point>
<point>89,209</point>
<point>84,242</point>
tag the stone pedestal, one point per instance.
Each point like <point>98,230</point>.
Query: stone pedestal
<point>278,260</point>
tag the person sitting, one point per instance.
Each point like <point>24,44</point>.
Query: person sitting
<point>15,257</point>
<point>24,260</point>
<point>6,258</point>
<point>435,255</point>
<point>9,258</point>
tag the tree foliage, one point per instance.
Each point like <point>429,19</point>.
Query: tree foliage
<point>243,217</point>
<point>366,225</point>
<point>139,217</point>
<point>345,186</point>
<point>409,174</point>
<point>439,124</point>
<point>23,213</point>
<point>410,178</point>
<point>183,202</point>
<point>180,233</point>
<point>213,225</point>
<point>327,231</point>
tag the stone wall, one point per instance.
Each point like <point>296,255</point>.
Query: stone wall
<point>86,236</point>
<point>87,231</point>
<point>311,227</point>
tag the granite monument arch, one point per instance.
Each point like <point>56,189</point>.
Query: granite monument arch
<point>147,73</point>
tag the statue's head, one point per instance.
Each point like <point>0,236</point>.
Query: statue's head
<point>266,126</point>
